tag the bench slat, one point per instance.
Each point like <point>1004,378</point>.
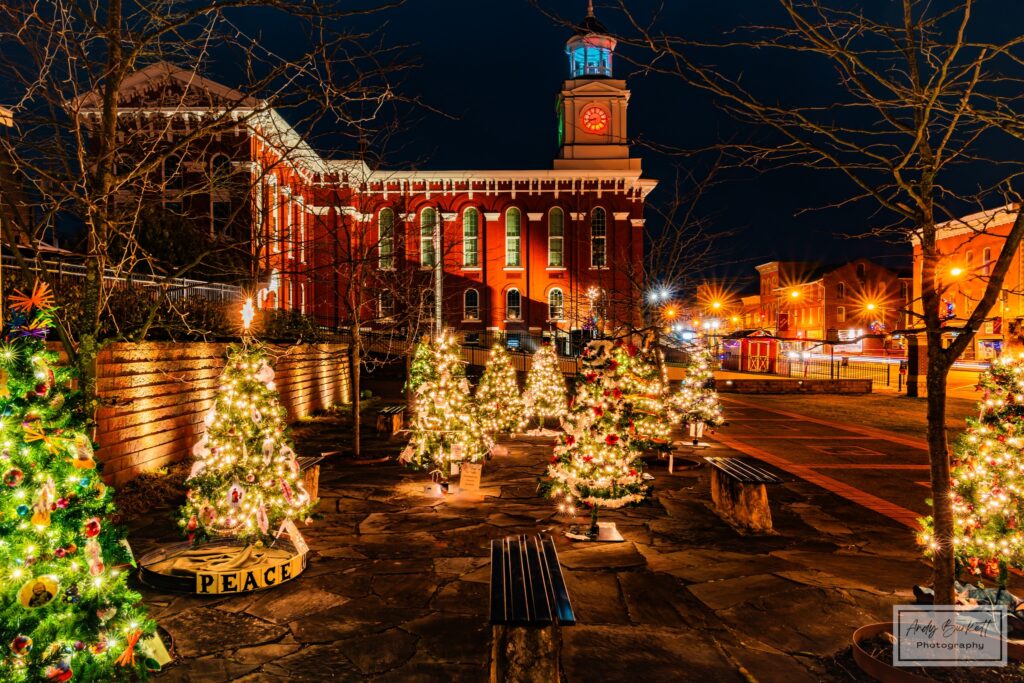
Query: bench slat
<point>742,471</point>
<point>499,610</point>
<point>538,587</point>
<point>563,608</point>
<point>516,581</point>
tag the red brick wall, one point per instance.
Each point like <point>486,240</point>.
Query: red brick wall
<point>157,393</point>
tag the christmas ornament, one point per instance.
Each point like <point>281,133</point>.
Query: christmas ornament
<point>59,672</point>
<point>92,527</point>
<point>13,477</point>
<point>38,592</point>
<point>82,452</point>
<point>94,557</point>
<point>21,646</point>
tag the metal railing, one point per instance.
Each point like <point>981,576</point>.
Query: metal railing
<point>173,288</point>
<point>796,364</point>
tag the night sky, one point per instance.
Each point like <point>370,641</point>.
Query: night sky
<point>496,68</point>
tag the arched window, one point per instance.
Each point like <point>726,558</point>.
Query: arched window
<point>428,304</point>
<point>275,213</point>
<point>556,238</point>
<point>386,241</point>
<point>598,238</point>
<point>513,237</point>
<point>428,223</point>
<point>220,170</point>
<point>513,305</point>
<point>174,173</point>
<point>841,291</point>
<point>986,261</point>
<point>471,238</point>
<point>302,297</point>
<point>471,305</point>
<point>556,305</point>
<point>861,272</point>
<point>840,314</point>
<point>969,262</point>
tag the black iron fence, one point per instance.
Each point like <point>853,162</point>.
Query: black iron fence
<point>816,366</point>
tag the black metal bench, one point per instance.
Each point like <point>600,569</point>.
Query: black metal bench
<point>390,420</point>
<point>529,601</point>
<point>738,490</point>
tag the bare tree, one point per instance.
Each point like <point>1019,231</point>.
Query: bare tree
<point>117,158</point>
<point>916,94</point>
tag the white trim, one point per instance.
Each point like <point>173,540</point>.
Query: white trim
<point>974,223</point>
<point>318,210</point>
<point>349,211</point>
<point>514,269</point>
<point>472,269</point>
<point>637,222</point>
<point>577,215</point>
<point>492,215</point>
<point>621,215</point>
<point>534,217</point>
<point>407,217</point>
<point>555,269</point>
<point>448,216</point>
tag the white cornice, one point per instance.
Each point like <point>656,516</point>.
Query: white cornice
<point>975,223</point>
<point>638,222</point>
<point>407,217</point>
<point>621,215</point>
<point>319,210</point>
<point>492,215</point>
<point>534,217</point>
<point>448,215</point>
<point>577,215</point>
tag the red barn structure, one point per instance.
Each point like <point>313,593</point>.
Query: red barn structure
<point>553,250</point>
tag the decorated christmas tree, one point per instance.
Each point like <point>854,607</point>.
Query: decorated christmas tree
<point>697,401</point>
<point>66,608</point>
<point>544,397</point>
<point>596,465</point>
<point>499,406</point>
<point>988,478</point>
<point>444,427</point>
<point>421,368</point>
<point>647,403</point>
<point>245,481</point>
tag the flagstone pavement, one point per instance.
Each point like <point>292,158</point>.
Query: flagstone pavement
<point>397,583</point>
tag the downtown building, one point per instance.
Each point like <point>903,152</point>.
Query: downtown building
<point>555,251</point>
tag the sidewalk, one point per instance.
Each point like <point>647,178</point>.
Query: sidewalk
<point>397,586</point>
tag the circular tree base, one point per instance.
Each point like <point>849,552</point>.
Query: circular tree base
<point>221,567</point>
<point>607,533</point>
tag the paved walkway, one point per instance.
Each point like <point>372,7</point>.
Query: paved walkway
<point>397,589</point>
<point>882,471</point>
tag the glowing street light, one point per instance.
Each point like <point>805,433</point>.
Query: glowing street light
<point>956,271</point>
<point>716,305</point>
<point>870,306</point>
<point>794,294</point>
<point>670,312</point>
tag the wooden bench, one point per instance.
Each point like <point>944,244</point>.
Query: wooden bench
<point>529,601</point>
<point>391,420</point>
<point>310,464</point>
<point>739,494</point>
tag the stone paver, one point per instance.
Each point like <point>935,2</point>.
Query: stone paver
<point>397,584</point>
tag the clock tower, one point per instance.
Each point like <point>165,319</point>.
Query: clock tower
<point>592,105</point>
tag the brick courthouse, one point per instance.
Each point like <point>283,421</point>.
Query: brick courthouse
<point>521,250</point>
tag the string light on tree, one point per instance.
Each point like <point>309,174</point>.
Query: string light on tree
<point>245,481</point>
<point>445,430</point>
<point>987,478</point>
<point>544,397</point>
<point>697,401</point>
<point>596,465</point>
<point>67,610</point>
<point>499,405</point>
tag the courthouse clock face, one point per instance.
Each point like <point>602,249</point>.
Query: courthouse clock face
<point>594,119</point>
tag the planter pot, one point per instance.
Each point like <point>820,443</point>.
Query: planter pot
<point>876,668</point>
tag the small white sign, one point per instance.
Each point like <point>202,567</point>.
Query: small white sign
<point>949,635</point>
<point>288,527</point>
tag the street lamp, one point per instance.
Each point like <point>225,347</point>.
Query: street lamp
<point>794,294</point>
<point>716,305</point>
<point>870,306</point>
<point>956,271</point>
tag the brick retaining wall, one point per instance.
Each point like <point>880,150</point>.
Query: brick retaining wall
<point>157,393</point>
<point>793,386</point>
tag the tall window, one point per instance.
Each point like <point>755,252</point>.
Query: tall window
<point>471,305</point>
<point>385,304</point>
<point>840,314</point>
<point>969,262</point>
<point>841,290</point>
<point>556,238</point>
<point>220,171</point>
<point>598,238</point>
<point>303,217</point>
<point>386,243</point>
<point>556,305</point>
<point>220,216</point>
<point>904,292</point>
<point>513,305</point>
<point>174,173</point>
<point>986,261</point>
<point>275,218</point>
<point>513,237</point>
<point>428,223</point>
<point>471,238</point>
<point>861,271</point>
<point>302,297</point>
